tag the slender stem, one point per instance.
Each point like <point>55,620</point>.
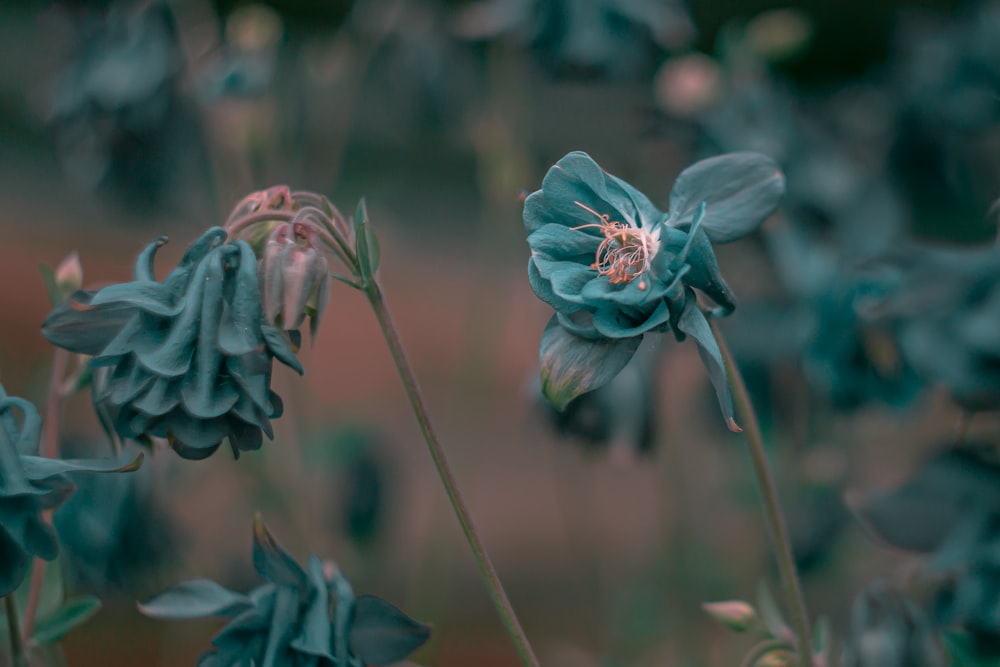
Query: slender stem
<point>490,577</point>
<point>16,645</point>
<point>774,518</point>
<point>50,450</point>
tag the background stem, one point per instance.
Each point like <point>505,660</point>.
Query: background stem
<point>16,645</point>
<point>490,577</point>
<point>49,449</point>
<point>775,520</point>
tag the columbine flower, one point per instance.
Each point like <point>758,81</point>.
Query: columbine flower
<point>889,630</point>
<point>187,359</point>
<point>30,484</point>
<point>288,621</point>
<point>614,267</point>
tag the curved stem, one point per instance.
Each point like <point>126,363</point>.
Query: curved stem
<point>775,520</point>
<point>50,450</point>
<point>16,645</point>
<point>490,577</point>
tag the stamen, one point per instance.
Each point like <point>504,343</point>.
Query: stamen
<point>624,254</point>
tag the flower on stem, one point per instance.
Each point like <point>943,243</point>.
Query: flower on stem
<point>30,484</point>
<point>890,630</point>
<point>294,277</point>
<point>298,618</point>
<point>614,267</point>
<point>187,359</point>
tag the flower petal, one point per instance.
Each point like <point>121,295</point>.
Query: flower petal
<point>693,323</point>
<point>571,365</point>
<point>740,189</point>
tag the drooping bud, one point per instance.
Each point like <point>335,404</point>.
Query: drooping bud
<point>294,277</point>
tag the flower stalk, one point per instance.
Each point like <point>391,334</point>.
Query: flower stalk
<point>496,591</point>
<point>773,516</point>
<point>50,450</point>
<point>14,632</point>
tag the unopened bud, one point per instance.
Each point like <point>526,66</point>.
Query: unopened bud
<point>294,277</point>
<point>734,614</point>
<point>69,274</point>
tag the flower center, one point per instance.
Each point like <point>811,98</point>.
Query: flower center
<point>626,251</point>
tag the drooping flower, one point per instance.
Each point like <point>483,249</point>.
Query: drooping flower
<point>614,267</point>
<point>187,359</point>
<point>30,484</point>
<point>298,618</point>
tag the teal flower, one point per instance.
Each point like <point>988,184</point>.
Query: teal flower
<point>614,267</point>
<point>187,359</point>
<point>297,618</point>
<point>29,485</point>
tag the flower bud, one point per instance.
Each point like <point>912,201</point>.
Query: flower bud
<point>736,615</point>
<point>294,277</point>
<point>69,274</point>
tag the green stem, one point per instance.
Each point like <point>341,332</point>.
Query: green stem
<point>775,520</point>
<point>760,650</point>
<point>50,450</point>
<point>490,577</point>
<point>13,629</point>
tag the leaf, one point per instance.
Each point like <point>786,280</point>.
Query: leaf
<point>360,216</point>
<point>571,365</point>
<point>54,626</point>
<point>196,599</point>
<point>771,614</point>
<point>740,190</point>
<point>382,634</point>
<point>368,252</point>
<point>56,296</point>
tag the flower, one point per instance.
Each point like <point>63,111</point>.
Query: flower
<point>287,621</point>
<point>889,630</point>
<point>945,303</point>
<point>614,267</point>
<point>187,359</point>
<point>30,484</point>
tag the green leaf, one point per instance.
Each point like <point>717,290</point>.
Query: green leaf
<point>360,216</point>
<point>368,252</point>
<point>51,286</point>
<point>52,627</point>
<point>571,365</point>
<point>382,634</point>
<point>770,613</point>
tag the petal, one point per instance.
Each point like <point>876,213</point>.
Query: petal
<point>558,242</point>
<point>740,189</point>
<point>615,322</point>
<point>80,328</point>
<point>693,323</point>
<point>571,365</point>
<point>196,599</point>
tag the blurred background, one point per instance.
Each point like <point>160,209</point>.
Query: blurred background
<point>121,121</point>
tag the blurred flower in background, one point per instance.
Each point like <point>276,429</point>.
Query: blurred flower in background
<point>117,112</point>
<point>604,38</point>
<point>889,630</point>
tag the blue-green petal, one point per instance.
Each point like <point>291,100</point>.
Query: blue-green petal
<point>740,189</point>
